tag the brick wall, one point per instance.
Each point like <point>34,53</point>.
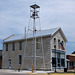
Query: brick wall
<point>72,59</point>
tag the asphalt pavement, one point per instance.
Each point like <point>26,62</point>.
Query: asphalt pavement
<point>25,72</point>
<point>6,73</point>
<point>12,72</point>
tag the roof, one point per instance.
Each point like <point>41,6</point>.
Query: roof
<point>73,52</point>
<point>30,35</point>
<point>35,6</point>
<point>70,54</point>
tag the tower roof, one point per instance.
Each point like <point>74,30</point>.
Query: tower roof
<point>35,6</point>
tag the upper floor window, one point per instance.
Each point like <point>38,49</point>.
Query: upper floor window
<point>38,42</point>
<point>20,45</point>
<point>6,46</point>
<point>13,46</point>
<point>58,44</point>
<point>54,41</point>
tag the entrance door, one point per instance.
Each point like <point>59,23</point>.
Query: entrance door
<point>9,63</point>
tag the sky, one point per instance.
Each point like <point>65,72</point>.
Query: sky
<point>15,14</point>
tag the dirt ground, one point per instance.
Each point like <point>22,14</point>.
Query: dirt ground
<point>62,74</point>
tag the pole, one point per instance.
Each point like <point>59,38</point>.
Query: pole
<point>34,42</point>
<point>34,31</point>
<point>55,57</point>
<point>25,33</point>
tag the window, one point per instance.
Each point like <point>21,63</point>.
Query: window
<point>58,44</point>
<point>54,41</point>
<point>58,59</point>
<point>62,62</point>
<point>53,62</point>
<point>58,55</point>
<point>38,43</point>
<point>53,54</point>
<point>9,63</point>
<point>13,46</point>
<point>62,55</point>
<point>20,59</point>
<point>20,45</point>
<point>71,63</point>
<point>6,46</point>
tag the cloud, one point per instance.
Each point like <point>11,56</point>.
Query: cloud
<point>14,16</point>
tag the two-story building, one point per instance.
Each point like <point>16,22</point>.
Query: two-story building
<point>14,50</point>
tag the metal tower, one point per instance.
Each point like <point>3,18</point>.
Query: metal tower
<point>32,28</point>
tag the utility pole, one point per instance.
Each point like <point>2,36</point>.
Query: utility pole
<point>55,57</point>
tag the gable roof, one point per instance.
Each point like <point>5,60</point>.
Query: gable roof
<point>30,35</point>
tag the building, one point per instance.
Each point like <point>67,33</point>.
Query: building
<point>71,58</point>
<point>73,52</point>
<point>0,59</point>
<point>14,47</point>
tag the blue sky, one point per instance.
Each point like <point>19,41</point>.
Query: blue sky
<point>14,17</point>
